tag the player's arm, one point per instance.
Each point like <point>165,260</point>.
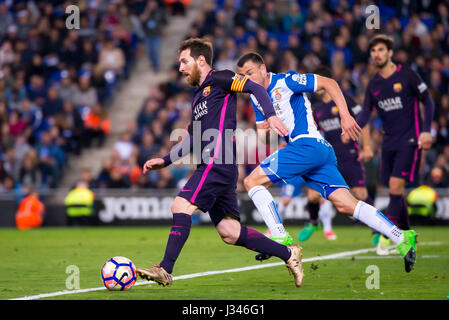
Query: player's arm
<point>179,151</point>
<point>262,126</point>
<point>348,124</point>
<point>239,83</point>
<point>425,139</point>
<point>367,152</point>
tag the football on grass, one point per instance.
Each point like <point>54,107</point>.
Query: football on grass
<point>118,273</point>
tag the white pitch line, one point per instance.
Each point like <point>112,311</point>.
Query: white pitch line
<point>209,273</point>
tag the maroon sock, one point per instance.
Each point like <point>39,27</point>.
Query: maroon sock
<point>178,236</point>
<point>394,209</point>
<point>313,209</point>
<point>405,222</point>
<point>256,241</point>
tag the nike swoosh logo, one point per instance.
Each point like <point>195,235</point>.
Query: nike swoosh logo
<point>185,190</point>
<point>376,93</point>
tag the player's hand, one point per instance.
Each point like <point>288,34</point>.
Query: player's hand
<point>350,127</point>
<point>425,141</point>
<point>264,125</point>
<point>153,164</point>
<point>277,125</point>
<point>366,155</point>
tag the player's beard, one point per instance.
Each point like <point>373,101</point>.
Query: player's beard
<point>382,64</point>
<point>194,78</point>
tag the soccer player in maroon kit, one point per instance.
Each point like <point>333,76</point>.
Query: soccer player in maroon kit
<point>212,187</point>
<point>395,92</point>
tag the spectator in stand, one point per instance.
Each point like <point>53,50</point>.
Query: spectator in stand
<point>85,95</point>
<point>153,20</point>
<point>96,126</point>
<point>111,58</point>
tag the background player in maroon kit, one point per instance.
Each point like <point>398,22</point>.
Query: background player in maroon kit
<point>212,187</point>
<point>395,92</point>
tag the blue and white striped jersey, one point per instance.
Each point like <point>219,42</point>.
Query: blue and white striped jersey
<point>287,92</point>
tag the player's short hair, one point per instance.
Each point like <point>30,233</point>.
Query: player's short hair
<point>381,38</point>
<point>323,71</point>
<point>251,56</point>
<point>198,47</point>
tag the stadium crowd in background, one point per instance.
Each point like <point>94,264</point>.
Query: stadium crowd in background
<point>56,83</point>
<point>301,35</point>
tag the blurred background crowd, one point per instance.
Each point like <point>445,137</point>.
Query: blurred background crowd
<point>55,83</point>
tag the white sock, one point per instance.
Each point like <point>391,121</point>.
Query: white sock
<point>373,218</point>
<point>267,208</point>
<point>325,215</point>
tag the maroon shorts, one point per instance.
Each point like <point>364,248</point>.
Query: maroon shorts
<point>402,163</point>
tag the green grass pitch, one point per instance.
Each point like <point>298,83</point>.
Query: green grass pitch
<point>35,262</point>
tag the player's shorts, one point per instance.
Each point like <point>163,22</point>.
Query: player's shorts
<point>293,188</point>
<point>311,158</point>
<point>213,189</point>
<point>353,172</point>
<point>402,163</point>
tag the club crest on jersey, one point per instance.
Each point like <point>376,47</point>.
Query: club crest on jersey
<point>397,87</point>
<point>334,110</point>
<point>206,91</point>
<point>277,95</point>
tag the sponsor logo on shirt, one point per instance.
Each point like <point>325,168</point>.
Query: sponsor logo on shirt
<point>200,110</point>
<point>330,124</point>
<point>356,110</point>
<point>300,78</point>
<point>422,87</point>
<point>390,104</point>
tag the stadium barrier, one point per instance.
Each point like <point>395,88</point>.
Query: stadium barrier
<point>152,207</point>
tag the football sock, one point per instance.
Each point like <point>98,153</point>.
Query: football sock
<point>370,201</point>
<point>374,219</point>
<point>256,241</point>
<point>178,235</point>
<point>405,222</point>
<point>325,215</point>
<point>394,209</point>
<point>313,209</point>
<point>264,203</point>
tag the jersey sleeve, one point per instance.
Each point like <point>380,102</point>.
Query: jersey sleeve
<point>229,80</point>
<point>353,107</point>
<point>299,83</point>
<point>417,84</point>
<point>259,114</point>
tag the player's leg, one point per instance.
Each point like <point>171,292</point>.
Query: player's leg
<point>325,215</point>
<point>256,184</point>
<point>233,233</point>
<point>330,182</point>
<point>313,207</point>
<point>405,241</point>
<point>182,221</point>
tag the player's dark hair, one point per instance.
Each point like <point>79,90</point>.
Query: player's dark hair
<point>323,71</point>
<point>198,47</point>
<point>381,38</point>
<point>251,56</point>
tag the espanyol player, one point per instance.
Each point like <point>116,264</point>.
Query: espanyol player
<point>308,154</point>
